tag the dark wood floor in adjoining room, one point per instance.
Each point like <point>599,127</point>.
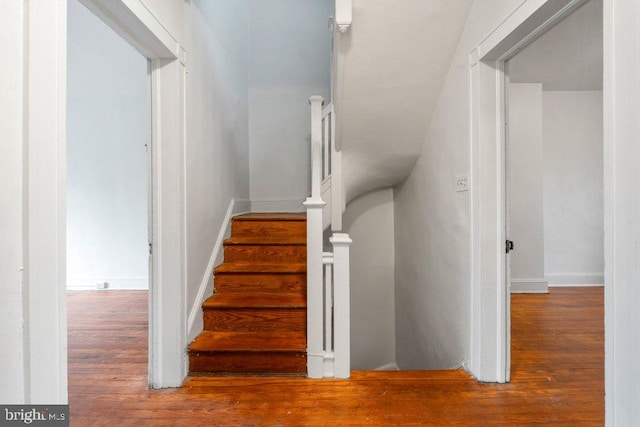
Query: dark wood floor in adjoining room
<point>557,376</point>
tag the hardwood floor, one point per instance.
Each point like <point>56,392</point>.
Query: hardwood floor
<point>557,376</point>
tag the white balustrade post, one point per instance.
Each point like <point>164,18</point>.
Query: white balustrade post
<point>341,305</point>
<point>337,185</point>
<point>315,324</point>
<point>314,205</point>
<point>316,145</point>
<point>327,261</point>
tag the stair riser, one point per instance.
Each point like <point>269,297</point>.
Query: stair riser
<point>248,362</point>
<point>265,253</point>
<point>261,282</point>
<point>269,229</point>
<point>273,319</point>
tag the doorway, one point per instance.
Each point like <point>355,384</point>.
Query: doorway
<point>107,170</point>
<point>554,185</point>
<point>490,311</point>
<point>165,247</point>
<point>44,255</point>
<point>107,250</point>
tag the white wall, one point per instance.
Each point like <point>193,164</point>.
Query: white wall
<point>369,222</point>
<point>555,187</point>
<point>12,388</point>
<point>573,187</point>
<point>432,220</point>
<point>525,187</point>
<point>217,159</point>
<point>289,61</point>
<point>107,129</point>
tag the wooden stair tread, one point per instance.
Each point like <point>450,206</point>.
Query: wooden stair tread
<point>271,216</point>
<point>259,241</point>
<point>244,267</point>
<point>210,341</point>
<point>255,300</point>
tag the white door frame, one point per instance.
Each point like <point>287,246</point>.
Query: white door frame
<point>167,305</point>
<point>45,199</point>
<point>490,321</point>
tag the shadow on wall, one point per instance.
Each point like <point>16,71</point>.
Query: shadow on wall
<point>369,221</point>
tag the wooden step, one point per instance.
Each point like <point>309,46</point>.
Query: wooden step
<point>272,216</point>
<point>261,282</point>
<point>255,300</point>
<point>247,267</point>
<point>248,352</point>
<point>246,249</point>
<point>266,241</point>
<point>270,225</point>
<point>255,312</point>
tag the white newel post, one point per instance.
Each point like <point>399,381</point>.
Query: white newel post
<point>315,353</point>
<point>314,205</point>
<point>341,305</point>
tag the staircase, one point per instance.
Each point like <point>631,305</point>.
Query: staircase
<point>255,322</point>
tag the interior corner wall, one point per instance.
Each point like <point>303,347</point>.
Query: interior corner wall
<point>217,142</point>
<point>107,131</point>
<point>12,350</point>
<point>289,61</point>
<point>573,187</point>
<point>432,222</point>
<point>369,221</point>
<point>525,188</point>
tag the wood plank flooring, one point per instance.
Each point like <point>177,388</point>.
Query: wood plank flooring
<point>557,377</point>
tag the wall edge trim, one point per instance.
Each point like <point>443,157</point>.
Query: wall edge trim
<point>196,310</point>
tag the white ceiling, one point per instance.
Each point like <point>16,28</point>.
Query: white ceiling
<point>567,57</point>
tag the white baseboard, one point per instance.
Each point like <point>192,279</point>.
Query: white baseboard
<point>575,279</point>
<point>195,321</point>
<point>114,283</point>
<point>388,367</point>
<point>278,205</point>
<point>529,286</point>
<point>241,206</point>
<point>579,285</point>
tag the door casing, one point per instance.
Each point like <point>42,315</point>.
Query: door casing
<point>490,298</point>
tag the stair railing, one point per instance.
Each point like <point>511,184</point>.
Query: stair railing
<point>328,301</point>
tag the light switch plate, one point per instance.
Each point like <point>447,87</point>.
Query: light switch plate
<point>462,183</point>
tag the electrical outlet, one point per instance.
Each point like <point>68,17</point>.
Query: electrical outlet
<point>103,285</point>
<point>462,183</point>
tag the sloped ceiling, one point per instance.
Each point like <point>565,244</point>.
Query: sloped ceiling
<point>396,58</point>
